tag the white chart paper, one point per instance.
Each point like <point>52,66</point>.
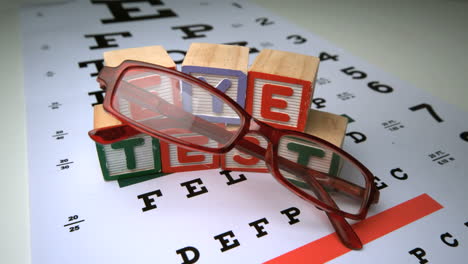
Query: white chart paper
<point>414,144</point>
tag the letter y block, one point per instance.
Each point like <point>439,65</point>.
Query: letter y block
<point>225,68</point>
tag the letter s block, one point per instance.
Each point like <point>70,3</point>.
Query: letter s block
<point>327,126</point>
<point>225,68</point>
<point>280,88</point>
<point>177,159</point>
<point>134,156</point>
<point>235,160</point>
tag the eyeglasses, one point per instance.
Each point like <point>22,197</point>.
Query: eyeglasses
<point>181,109</point>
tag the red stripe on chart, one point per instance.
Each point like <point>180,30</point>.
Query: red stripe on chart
<point>330,247</point>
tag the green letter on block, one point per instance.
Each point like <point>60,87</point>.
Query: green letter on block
<point>129,148</point>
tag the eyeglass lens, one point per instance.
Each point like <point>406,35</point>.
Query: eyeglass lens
<point>166,103</point>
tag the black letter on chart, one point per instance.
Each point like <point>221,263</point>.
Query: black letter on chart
<point>260,228</point>
<point>379,183</point>
<point>232,181</point>
<point>183,253</point>
<point>419,253</point>
<point>122,14</point>
<point>97,63</point>
<point>291,213</point>
<point>104,42</point>
<point>149,201</point>
<point>453,243</point>
<point>319,102</point>
<point>192,30</point>
<point>357,136</point>
<point>225,242</point>
<point>399,174</point>
<point>193,189</point>
<point>98,95</point>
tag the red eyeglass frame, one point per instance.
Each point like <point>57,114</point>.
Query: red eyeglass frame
<point>109,77</point>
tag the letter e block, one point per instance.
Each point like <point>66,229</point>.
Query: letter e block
<point>134,156</point>
<point>177,159</point>
<point>225,68</point>
<point>327,126</point>
<point>280,88</point>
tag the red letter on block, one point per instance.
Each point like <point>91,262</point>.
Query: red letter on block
<point>236,160</point>
<point>269,102</point>
<point>247,161</point>
<point>183,154</point>
<point>280,88</point>
<point>177,159</point>
<point>138,112</point>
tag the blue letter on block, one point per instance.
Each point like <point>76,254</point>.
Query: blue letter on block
<point>231,82</point>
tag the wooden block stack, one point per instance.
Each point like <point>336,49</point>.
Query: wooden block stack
<point>277,89</point>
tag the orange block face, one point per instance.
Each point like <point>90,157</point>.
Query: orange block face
<point>235,160</point>
<point>280,101</point>
<point>177,159</point>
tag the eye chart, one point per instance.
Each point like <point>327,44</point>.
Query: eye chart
<point>415,145</point>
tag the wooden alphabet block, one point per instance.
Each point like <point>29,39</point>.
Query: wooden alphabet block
<point>135,156</point>
<point>177,159</point>
<point>235,160</point>
<point>280,88</point>
<point>225,68</point>
<point>166,88</point>
<point>327,126</point>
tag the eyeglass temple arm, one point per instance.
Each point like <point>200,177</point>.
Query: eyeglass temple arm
<point>339,184</point>
<point>345,232</point>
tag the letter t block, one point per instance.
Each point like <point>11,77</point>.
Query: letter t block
<point>280,88</point>
<point>132,157</point>
<point>327,126</point>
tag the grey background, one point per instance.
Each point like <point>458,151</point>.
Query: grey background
<point>423,42</point>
